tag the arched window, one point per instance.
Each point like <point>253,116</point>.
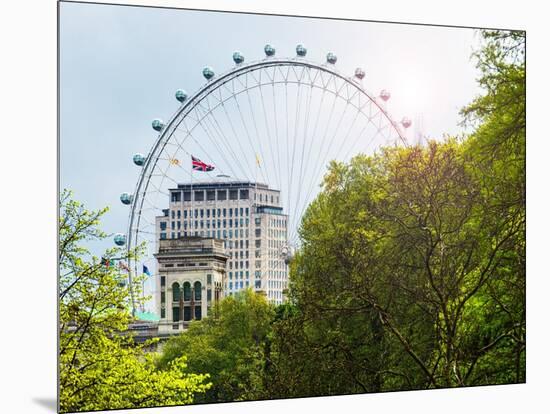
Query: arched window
<point>175,292</point>
<point>198,290</point>
<point>187,291</point>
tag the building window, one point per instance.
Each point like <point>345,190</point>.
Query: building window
<point>258,284</point>
<point>258,232</point>
<point>163,236</point>
<point>258,242</point>
<point>173,225</point>
<point>244,194</point>
<point>198,290</point>
<point>222,195</point>
<point>233,194</point>
<point>176,197</point>
<point>187,196</point>
<point>258,221</point>
<point>187,291</point>
<point>163,313</point>
<point>199,195</point>
<point>175,292</point>
<point>163,280</point>
<point>187,313</point>
<point>198,313</point>
<point>209,294</point>
<point>211,195</point>
<point>209,278</point>
<point>163,225</point>
<point>176,313</point>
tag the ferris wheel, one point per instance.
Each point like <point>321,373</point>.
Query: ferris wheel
<point>277,121</point>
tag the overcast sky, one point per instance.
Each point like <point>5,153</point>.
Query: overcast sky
<point>121,65</point>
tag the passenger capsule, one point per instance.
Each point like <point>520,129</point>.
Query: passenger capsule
<point>208,72</point>
<point>157,124</point>
<point>286,254</point>
<point>331,58</point>
<point>238,57</point>
<point>359,73</point>
<point>139,160</point>
<point>301,50</point>
<point>269,50</point>
<point>120,239</point>
<point>406,122</point>
<point>126,198</point>
<point>385,95</point>
<point>181,95</point>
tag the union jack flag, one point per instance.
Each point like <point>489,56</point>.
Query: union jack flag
<point>198,165</point>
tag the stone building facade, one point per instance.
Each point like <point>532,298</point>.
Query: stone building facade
<point>191,276</point>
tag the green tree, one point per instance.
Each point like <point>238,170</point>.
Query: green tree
<point>497,154</point>
<point>229,345</point>
<point>100,367</point>
<point>411,272</point>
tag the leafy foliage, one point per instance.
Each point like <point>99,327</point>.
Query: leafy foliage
<point>430,243</point>
<point>228,345</point>
<point>100,366</point>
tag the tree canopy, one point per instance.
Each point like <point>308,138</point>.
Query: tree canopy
<point>100,366</point>
<point>229,345</point>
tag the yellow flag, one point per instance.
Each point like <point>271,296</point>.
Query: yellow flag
<point>258,160</point>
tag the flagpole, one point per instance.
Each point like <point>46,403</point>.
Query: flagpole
<point>192,199</point>
<point>143,294</point>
